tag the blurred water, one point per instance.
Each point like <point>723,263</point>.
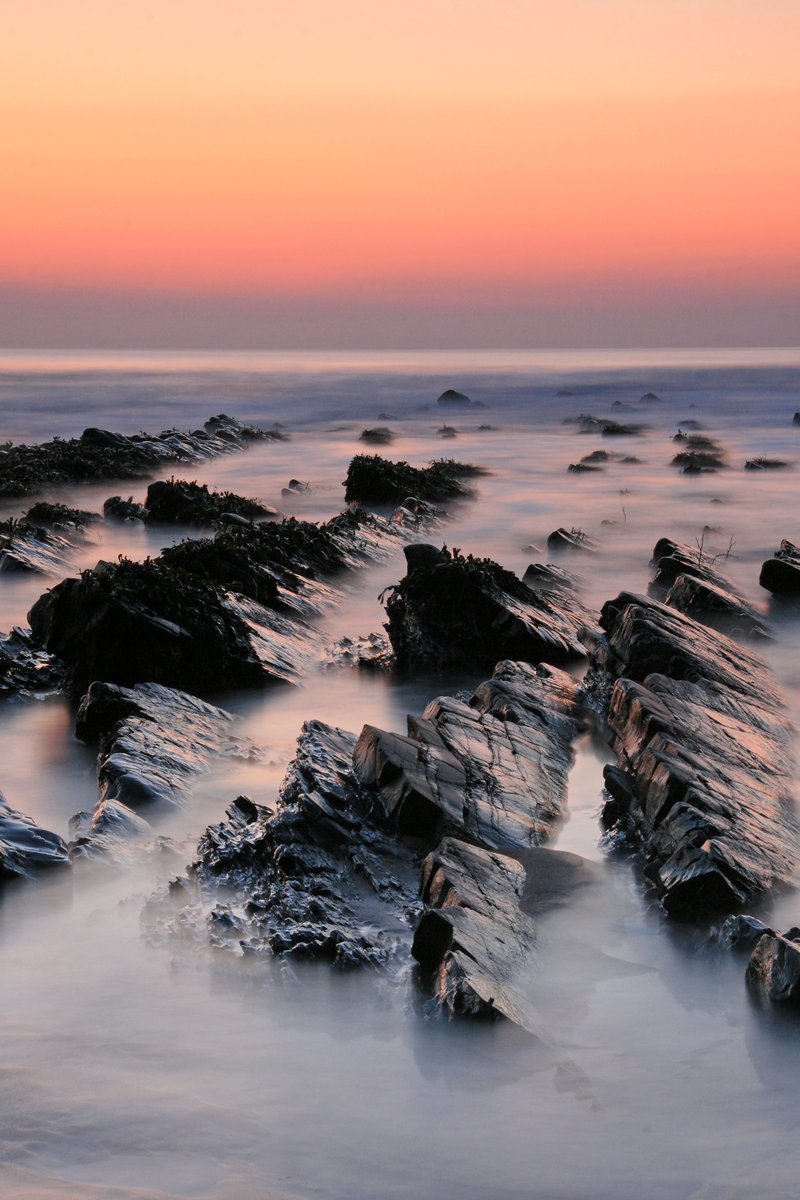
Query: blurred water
<point>130,1071</point>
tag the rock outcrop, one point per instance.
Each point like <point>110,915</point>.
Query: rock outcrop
<point>452,611</point>
<point>100,454</point>
<point>686,580</point>
<point>26,670</point>
<point>705,776</point>
<point>375,480</point>
<point>773,972</point>
<point>180,502</point>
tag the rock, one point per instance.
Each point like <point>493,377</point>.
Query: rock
<point>117,509</point>
<point>334,872</point>
<point>153,742</point>
<point>130,622</point>
<point>370,653</point>
<point>176,502</point>
<point>25,549</point>
<point>100,454</point>
<point>25,670</point>
<point>59,516</point>
<point>741,932</point>
<point>375,480</point>
<point>705,745</point>
<point>582,467</point>
<point>380,435</point>
<point>25,848</point>
<point>474,938</point>
<point>796,419</point>
<point>696,589</point>
<point>781,573</point>
<point>773,972</point>
<point>765,464</point>
<point>650,398</point>
<point>452,612</point>
<point>597,456</point>
<point>570,539</point>
<point>454,399</point>
<point>695,462</point>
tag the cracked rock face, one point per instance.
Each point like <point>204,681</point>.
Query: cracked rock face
<point>781,573</point>
<point>334,872</point>
<point>705,771</point>
<point>686,580</point>
<point>773,972</point>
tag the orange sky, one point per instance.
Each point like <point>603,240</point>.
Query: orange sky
<point>321,149</point>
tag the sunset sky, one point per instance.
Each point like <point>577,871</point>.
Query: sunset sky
<point>400,173</point>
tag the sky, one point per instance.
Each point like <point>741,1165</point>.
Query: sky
<point>399,173</point>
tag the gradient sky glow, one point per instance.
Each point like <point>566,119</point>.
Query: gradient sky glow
<point>481,172</point>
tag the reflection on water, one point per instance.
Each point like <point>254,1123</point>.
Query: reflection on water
<point>135,1070</point>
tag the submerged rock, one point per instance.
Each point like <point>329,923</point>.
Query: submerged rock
<point>25,670</point>
<point>765,464</point>
<point>570,539</point>
<point>26,849</point>
<point>455,611</point>
<point>781,573</point>
<point>118,509</point>
<point>31,550</point>
<point>705,751</point>
<point>380,435</point>
<point>453,399</point>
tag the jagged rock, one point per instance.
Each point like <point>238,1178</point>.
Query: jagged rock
<point>24,847</point>
<point>570,539</point>
<point>334,872</point>
<point>705,748</point>
<point>781,573</point>
<point>452,611</point>
<point>696,589</point>
<point>370,653</point>
<point>153,742</point>
<point>375,480</point>
<point>99,454</point>
<point>741,932</point>
<point>696,462</point>
<point>582,468</point>
<point>650,398</point>
<point>474,938</point>
<point>178,502</point>
<point>773,972</point>
<point>24,669</point>
<point>494,770</point>
<point>59,516</point>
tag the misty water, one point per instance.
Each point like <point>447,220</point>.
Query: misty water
<point>138,1070</point>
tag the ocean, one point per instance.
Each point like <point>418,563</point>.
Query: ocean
<point>134,1070</point>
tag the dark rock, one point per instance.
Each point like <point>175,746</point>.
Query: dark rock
<point>375,480</point>
<point>25,848</point>
<point>59,516</point>
<point>99,454</point>
<point>25,670</point>
<point>133,622</point>
<point>781,574</point>
<point>695,462</point>
<point>570,539</point>
<point>544,577</point>
<point>650,398</point>
<point>582,467</point>
<point>796,419</point>
<point>26,549</point>
<point>378,436</point>
<point>765,464</point>
<point>463,612</point>
<point>705,742</point>
<point>741,932</point>
<point>177,502</point>
<point>773,972</point>
<point>597,456</point>
<point>370,653</point>
<point>117,509</point>
<point>617,429</point>
<point>453,399</point>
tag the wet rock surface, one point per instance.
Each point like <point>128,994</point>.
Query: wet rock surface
<point>334,872</point>
<point>455,611</point>
<point>25,848</point>
<point>562,539</point>
<point>101,454</point>
<point>153,742</point>
<point>32,550</point>
<point>26,670</point>
<point>773,972</point>
<point>687,581</point>
<point>372,479</point>
<point>781,573</point>
<point>705,776</point>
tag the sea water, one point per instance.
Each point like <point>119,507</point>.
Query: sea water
<point>134,1070</point>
